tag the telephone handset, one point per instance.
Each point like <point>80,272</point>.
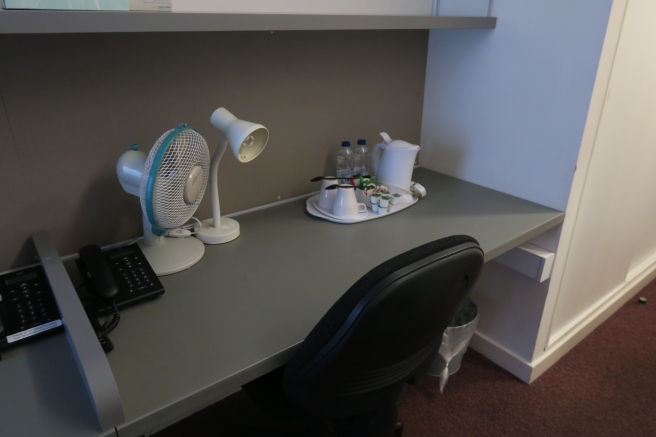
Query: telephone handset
<point>114,279</point>
<point>96,273</point>
<point>120,275</point>
<point>102,291</point>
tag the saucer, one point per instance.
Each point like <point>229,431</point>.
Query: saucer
<point>360,216</point>
<point>312,207</point>
<point>309,206</point>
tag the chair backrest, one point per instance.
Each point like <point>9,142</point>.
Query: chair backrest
<point>384,328</point>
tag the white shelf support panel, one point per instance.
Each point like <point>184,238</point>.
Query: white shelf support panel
<point>37,21</point>
<point>91,360</point>
<point>529,260</point>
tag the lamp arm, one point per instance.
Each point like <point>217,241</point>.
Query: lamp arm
<point>214,178</point>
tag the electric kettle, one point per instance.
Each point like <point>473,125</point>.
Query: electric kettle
<point>393,161</point>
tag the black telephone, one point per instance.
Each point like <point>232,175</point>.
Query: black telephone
<point>121,276</point>
<point>114,279</point>
<point>27,307</point>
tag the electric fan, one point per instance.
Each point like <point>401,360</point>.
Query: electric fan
<point>170,182</point>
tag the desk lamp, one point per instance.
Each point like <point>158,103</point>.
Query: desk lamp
<point>247,140</point>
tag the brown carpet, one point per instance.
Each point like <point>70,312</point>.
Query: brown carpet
<point>605,386</point>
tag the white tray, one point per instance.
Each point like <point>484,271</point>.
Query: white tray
<point>312,206</point>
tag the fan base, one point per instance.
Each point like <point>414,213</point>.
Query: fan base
<point>175,255</point>
<point>228,231</point>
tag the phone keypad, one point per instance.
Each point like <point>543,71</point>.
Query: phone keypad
<point>28,306</point>
<point>134,275</point>
<point>133,272</point>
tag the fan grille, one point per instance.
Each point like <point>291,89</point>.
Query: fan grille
<point>187,150</point>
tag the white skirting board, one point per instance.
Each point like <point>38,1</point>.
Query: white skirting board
<point>530,371</point>
<point>603,310</point>
<point>501,356</point>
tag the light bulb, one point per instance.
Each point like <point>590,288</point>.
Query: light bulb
<point>248,142</point>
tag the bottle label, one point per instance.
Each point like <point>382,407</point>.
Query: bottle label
<point>342,174</point>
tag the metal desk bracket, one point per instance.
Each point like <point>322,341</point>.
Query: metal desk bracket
<point>88,353</point>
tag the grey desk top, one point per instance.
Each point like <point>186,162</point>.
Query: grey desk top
<point>243,309</point>
<point>42,392</point>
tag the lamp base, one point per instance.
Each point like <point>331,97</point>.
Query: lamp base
<point>175,255</point>
<point>228,231</point>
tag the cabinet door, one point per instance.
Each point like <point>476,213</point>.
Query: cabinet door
<point>614,235</point>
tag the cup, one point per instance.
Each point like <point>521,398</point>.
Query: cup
<point>345,205</point>
<point>327,197</point>
<point>361,197</point>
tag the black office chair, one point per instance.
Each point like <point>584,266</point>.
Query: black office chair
<point>383,332</point>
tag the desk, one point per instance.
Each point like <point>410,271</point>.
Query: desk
<point>244,308</point>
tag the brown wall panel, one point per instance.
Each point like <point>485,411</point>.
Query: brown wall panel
<point>74,103</point>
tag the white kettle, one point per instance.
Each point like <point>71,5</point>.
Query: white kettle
<point>395,165</point>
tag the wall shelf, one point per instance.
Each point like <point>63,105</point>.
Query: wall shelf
<point>24,21</point>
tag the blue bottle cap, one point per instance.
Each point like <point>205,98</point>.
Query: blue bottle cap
<point>346,143</point>
<point>362,142</point>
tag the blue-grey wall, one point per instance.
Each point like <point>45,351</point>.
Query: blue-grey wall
<point>507,108</point>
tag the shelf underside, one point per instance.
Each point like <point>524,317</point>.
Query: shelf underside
<point>23,21</point>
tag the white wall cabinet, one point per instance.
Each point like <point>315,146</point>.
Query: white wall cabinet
<point>608,250</point>
<point>559,86</point>
<point>463,8</point>
<point>364,7</point>
<point>518,111</point>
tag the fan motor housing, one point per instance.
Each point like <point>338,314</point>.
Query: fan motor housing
<point>194,184</point>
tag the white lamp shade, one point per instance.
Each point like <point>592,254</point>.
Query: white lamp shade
<point>246,139</point>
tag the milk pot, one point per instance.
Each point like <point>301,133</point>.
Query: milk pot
<point>393,161</point>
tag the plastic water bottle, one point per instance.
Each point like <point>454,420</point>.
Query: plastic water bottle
<point>345,162</point>
<point>361,159</point>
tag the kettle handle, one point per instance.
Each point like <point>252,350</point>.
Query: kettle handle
<point>375,155</point>
<point>386,138</point>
